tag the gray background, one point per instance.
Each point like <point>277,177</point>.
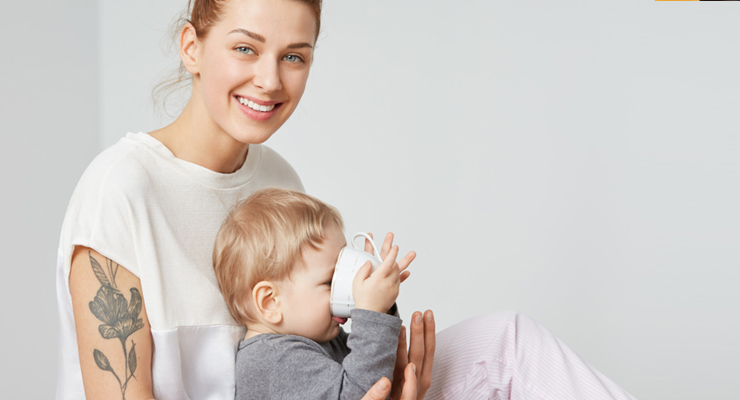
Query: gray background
<point>574,160</point>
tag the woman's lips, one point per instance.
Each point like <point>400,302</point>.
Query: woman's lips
<point>257,110</point>
<point>339,320</point>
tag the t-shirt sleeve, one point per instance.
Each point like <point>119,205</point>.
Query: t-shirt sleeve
<point>277,172</point>
<point>100,217</point>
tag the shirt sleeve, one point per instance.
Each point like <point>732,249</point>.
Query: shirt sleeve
<point>293,367</point>
<point>372,347</point>
<point>100,217</point>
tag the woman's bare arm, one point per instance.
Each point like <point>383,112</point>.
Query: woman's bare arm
<point>113,334</point>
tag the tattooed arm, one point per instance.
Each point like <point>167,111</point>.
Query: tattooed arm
<point>113,333</point>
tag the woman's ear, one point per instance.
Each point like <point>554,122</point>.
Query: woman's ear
<point>264,298</point>
<point>189,46</point>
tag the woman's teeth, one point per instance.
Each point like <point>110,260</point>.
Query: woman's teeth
<point>254,106</point>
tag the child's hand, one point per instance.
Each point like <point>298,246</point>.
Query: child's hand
<point>387,244</point>
<point>379,290</point>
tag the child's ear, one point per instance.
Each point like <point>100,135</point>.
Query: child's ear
<point>264,296</point>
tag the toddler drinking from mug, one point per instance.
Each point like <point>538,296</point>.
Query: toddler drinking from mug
<point>274,258</point>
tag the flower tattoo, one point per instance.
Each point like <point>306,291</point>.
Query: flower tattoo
<point>120,319</point>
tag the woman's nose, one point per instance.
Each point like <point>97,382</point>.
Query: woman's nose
<point>267,75</point>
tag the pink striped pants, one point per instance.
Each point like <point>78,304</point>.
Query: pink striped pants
<point>508,355</point>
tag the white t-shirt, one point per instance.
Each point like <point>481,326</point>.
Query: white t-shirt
<point>157,216</point>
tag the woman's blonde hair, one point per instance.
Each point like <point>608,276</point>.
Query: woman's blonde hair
<point>262,239</point>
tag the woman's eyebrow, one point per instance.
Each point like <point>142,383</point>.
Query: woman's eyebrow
<point>300,45</point>
<point>260,38</point>
<point>255,36</point>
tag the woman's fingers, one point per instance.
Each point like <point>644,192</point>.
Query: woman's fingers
<point>381,388</point>
<point>410,391</point>
<point>405,275</point>
<point>400,367</point>
<point>430,342</point>
<point>416,341</point>
<point>379,391</point>
<point>416,363</point>
<point>401,354</point>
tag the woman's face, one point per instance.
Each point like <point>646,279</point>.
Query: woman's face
<point>253,65</point>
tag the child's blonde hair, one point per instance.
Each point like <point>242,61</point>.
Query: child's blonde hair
<point>262,238</point>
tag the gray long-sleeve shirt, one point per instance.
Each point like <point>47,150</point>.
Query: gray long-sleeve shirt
<point>284,367</point>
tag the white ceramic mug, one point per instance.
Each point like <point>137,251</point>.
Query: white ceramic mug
<point>351,259</point>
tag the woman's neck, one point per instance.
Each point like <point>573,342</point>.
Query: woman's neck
<point>195,138</point>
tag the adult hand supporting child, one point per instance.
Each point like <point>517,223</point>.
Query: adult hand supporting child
<point>420,353</point>
<point>380,390</point>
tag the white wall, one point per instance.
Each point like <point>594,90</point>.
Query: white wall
<point>574,160</point>
<point>49,133</point>
<point>577,161</point>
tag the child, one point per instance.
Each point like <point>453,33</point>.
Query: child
<point>274,258</point>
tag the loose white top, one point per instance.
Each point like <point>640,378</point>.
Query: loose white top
<point>158,216</point>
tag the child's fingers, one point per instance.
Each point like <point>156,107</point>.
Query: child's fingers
<point>406,260</point>
<point>387,244</point>
<point>389,261</point>
<point>368,245</point>
<point>362,274</point>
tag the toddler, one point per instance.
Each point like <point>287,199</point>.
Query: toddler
<point>274,258</point>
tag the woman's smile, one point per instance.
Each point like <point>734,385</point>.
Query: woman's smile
<point>256,109</point>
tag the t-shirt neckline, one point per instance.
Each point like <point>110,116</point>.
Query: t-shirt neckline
<point>202,174</point>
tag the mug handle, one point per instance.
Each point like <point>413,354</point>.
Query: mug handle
<point>366,236</point>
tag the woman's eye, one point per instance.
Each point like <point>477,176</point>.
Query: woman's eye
<point>245,50</point>
<point>293,58</point>
<point>327,283</point>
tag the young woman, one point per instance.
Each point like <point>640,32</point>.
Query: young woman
<point>141,313</point>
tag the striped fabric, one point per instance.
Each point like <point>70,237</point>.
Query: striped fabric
<point>508,355</point>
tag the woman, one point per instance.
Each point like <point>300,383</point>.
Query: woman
<point>135,251</point>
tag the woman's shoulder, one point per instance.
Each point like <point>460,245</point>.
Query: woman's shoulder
<point>118,166</point>
<point>97,214</point>
<point>276,170</point>
<point>271,158</point>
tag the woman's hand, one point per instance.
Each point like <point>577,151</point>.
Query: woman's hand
<point>420,352</point>
<point>380,390</point>
<point>423,341</point>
